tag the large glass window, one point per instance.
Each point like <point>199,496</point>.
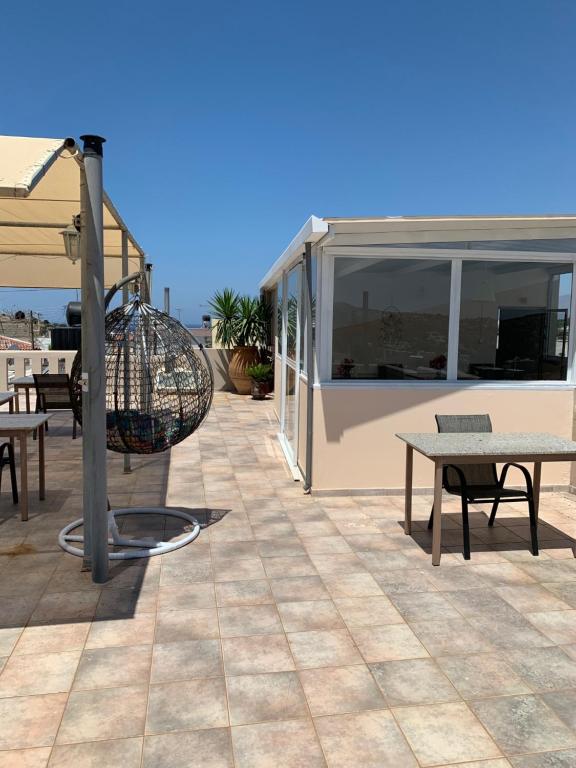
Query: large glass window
<point>514,319</point>
<point>279,317</point>
<point>292,312</point>
<point>390,318</point>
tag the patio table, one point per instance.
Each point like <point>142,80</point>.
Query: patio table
<point>478,448</point>
<point>8,397</point>
<point>26,383</point>
<point>20,425</point>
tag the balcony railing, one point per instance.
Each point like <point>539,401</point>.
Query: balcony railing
<point>16,363</point>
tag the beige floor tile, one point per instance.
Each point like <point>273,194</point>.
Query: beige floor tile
<point>329,648</point>
<point>449,637</point>
<point>424,606</point>
<point>558,626</point>
<point>367,611</point>
<point>49,638</point>
<point>236,621</point>
<point>120,753</point>
<point>239,570</point>
<point>193,749</point>
<point>340,690</point>
<point>283,567</point>
<point>255,654</point>
<point>107,713</point>
<point>544,669</point>
<point>9,637</point>
<point>185,660</point>
<point>369,739</point>
<point>115,632</point>
<point>39,673</point>
<point>483,675</point>
<point>413,681</point>
<point>284,547</point>
<point>271,696</point>
<point>388,643</point>
<point>302,616</point>
<point>243,593</point>
<point>64,606</point>
<point>260,745</point>
<point>126,603</point>
<point>445,733</point>
<point>564,705</point>
<point>25,758</point>
<point>352,585</point>
<point>187,705</point>
<point>531,598</point>
<point>299,588</point>
<point>326,545</point>
<point>174,626</point>
<point>30,721</point>
<point>112,667</point>
<point>186,597</point>
<point>522,724</point>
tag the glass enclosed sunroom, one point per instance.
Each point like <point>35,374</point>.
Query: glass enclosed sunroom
<point>383,322</point>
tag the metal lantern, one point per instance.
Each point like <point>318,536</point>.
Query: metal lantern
<point>71,237</point>
<point>158,386</point>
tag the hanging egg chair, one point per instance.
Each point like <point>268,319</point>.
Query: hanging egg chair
<point>158,388</point>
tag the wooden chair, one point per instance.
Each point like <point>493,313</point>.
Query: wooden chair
<point>479,483</point>
<point>7,459</point>
<point>53,394</point>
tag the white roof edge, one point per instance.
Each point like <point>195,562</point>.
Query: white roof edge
<point>312,231</point>
<point>35,171</point>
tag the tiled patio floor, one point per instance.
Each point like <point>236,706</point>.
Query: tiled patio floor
<point>295,632</point>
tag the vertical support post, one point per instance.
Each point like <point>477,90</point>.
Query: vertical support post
<point>408,490</point>
<point>93,360</point>
<point>309,365</point>
<point>127,466</point>
<point>167,300</point>
<point>148,274</point>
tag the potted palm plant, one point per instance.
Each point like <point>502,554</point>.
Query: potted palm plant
<point>260,374</point>
<point>242,324</point>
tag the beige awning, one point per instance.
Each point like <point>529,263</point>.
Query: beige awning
<point>39,195</point>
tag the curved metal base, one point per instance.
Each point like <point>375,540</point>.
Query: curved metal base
<point>142,547</point>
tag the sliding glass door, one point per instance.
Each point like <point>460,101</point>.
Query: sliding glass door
<point>291,362</point>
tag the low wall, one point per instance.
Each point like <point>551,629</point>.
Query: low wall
<point>355,447</point>
<point>16,363</point>
<point>220,359</point>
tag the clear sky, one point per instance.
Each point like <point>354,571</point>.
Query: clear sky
<point>229,123</point>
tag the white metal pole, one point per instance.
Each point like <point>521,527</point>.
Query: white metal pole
<point>93,361</point>
<point>167,300</point>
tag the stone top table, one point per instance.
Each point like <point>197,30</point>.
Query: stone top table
<point>8,397</point>
<point>20,425</point>
<point>478,448</point>
<point>26,383</point>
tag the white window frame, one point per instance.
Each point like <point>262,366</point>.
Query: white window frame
<point>457,257</point>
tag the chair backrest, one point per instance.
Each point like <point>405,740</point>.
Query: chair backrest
<point>475,474</point>
<point>53,389</point>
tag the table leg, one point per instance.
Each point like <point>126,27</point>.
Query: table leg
<point>23,478</point>
<point>536,477</point>
<point>41,465</point>
<point>27,399</point>
<point>11,406</point>
<point>17,399</point>
<point>437,519</point>
<point>408,490</point>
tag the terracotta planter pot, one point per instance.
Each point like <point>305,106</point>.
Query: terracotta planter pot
<point>260,389</point>
<point>242,358</point>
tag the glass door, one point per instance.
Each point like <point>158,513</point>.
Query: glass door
<point>291,362</point>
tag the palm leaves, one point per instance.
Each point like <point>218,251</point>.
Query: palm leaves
<point>242,321</point>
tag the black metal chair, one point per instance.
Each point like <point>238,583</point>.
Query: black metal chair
<point>53,394</point>
<point>7,459</point>
<point>479,483</point>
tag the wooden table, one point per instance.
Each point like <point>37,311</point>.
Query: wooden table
<point>478,448</point>
<point>26,383</point>
<point>19,426</point>
<point>8,397</point>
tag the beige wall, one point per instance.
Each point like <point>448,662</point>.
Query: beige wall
<point>355,447</point>
<point>220,359</point>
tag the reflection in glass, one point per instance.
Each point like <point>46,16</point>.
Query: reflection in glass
<point>292,313</point>
<point>390,318</point>
<point>279,316</point>
<point>290,404</point>
<point>514,320</point>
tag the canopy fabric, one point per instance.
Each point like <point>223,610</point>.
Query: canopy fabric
<point>39,196</point>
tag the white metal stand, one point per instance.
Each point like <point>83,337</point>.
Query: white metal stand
<point>147,547</point>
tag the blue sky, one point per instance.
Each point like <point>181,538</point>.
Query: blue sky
<point>229,123</point>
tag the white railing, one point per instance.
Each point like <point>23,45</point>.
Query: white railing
<point>16,363</point>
